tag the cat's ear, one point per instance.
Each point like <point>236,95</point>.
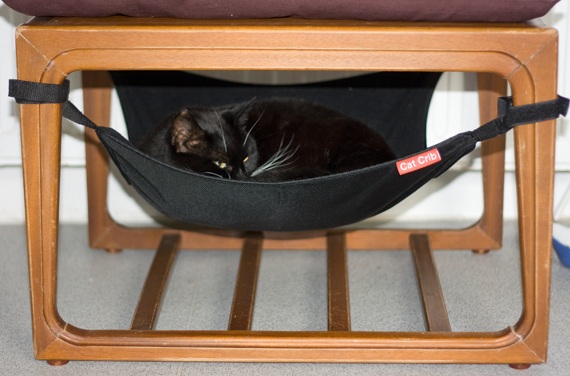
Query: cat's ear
<point>236,110</point>
<point>186,133</point>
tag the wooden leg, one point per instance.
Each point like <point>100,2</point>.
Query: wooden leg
<point>57,363</point>
<point>97,106</point>
<point>534,156</point>
<point>113,250</point>
<point>491,87</point>
<point>481,251</point>
<point>41,148</point>
<point>520,367</point>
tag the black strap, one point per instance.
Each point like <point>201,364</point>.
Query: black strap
<point>27,92</point>
<point>531,113</point>
<point>510,116</point>
<point>72,113</point>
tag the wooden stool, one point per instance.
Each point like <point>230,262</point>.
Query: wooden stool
<point>525,55</point>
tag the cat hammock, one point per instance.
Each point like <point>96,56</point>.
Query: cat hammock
<point>308,204</point>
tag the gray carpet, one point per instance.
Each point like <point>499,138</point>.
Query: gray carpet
<point>99,290</point>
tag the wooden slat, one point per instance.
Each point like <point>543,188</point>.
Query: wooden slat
<point>151,296</point>
<point>338,297</point>
<point>430,288</point>
<point>244,295</point>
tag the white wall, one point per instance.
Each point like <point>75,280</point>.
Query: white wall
<point>454,197</point>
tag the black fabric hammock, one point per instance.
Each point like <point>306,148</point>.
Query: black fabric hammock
<point>300,205</point>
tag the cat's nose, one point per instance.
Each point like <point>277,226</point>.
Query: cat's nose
<point>240,174</point>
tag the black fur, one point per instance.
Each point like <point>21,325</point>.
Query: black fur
<point>302,139</point>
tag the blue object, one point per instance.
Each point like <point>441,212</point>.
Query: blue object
<point>561,243</point>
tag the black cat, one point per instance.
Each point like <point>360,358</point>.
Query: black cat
<point>266,140</point>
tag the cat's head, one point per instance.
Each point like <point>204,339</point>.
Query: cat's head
<point>217,141</point>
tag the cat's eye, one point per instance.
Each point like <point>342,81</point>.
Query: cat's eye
<point>221,165</point>
<point>245,159</point>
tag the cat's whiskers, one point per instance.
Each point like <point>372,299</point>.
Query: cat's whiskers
<point>253,126</point>
<point>213,174</point>
<point>222,129</point>
<point>218,175</point>
<point>281,158</point>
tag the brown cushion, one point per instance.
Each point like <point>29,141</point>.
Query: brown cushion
<point>380,10</point>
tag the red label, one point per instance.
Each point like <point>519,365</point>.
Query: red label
<point>417,162</point>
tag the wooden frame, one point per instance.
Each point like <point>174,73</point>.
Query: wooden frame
<point>524,55</point>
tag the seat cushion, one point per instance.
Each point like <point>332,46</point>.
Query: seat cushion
<point>378,10</point>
